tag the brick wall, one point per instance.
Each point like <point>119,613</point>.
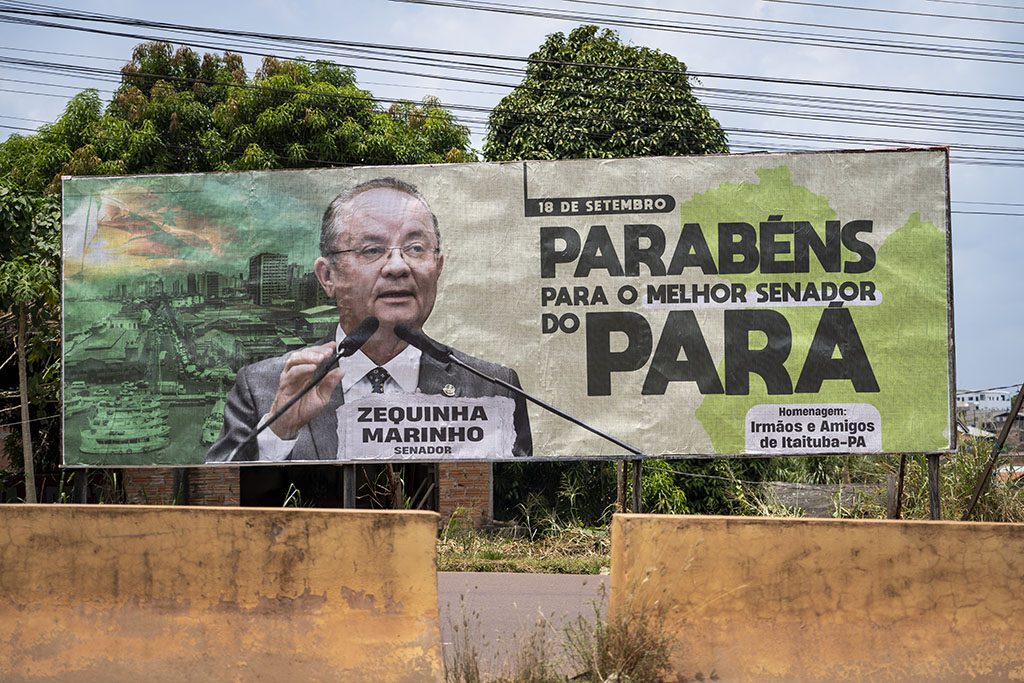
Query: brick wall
<point>466,486</point>
<point>213,486</point>
<point>462,486</point>
<point>206,486</point>
<point>149,486</point>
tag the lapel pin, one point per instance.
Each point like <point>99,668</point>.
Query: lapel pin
<point>448,390</point>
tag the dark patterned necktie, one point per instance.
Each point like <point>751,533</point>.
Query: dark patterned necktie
<point>378,376</point>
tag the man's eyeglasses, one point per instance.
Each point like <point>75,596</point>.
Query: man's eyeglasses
<point>416,252</point>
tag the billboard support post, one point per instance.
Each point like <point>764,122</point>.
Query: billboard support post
<point>934,501</point>
<point>620,485</point>
<point>348,486</point>
<point>81,485</point>
<point>637,486</point>
<point>899,485</point>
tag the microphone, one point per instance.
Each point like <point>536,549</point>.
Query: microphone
<point>445,354</point>
<point>414,337</point>
<point>349,345</point>
<point>360,335</point>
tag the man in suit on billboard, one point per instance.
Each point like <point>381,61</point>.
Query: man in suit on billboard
<point>380,255</point>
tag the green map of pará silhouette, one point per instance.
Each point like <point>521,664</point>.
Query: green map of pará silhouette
<point>908,358</point>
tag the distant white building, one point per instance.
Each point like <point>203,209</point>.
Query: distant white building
<point>985,400</point>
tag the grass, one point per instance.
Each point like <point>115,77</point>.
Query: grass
<point>1002,501</point>
<point>632,646</point>
<point>561,550</point>
<point>545,545</point>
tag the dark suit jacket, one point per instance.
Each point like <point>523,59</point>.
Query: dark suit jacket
<point>253,393</point>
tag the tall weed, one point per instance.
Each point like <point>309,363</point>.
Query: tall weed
<point>1001,501</point>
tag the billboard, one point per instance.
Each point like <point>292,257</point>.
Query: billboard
<point>762,304</point>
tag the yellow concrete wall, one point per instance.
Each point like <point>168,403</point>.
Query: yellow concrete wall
<point>153,594</point>
<point>816,600</point>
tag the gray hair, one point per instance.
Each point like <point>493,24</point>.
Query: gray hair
<point>330,226</point>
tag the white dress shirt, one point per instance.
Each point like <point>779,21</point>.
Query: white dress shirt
<point>404,371</point>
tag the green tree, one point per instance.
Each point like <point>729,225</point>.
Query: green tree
<point>177,112</point>
<point>29,297</point>
<point>588,95</point>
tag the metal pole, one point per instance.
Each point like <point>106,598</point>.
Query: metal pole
<point>934,502</point>
<point>637,488</point>
<point>348,486</point>
<point>82,485</point>
<point>620,485</point>
<point>899,485</point>
<point>998,446</point>
<point>518,391</point>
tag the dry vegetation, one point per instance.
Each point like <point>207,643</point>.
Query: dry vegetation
<point>552,549</point>
<point>630,646</point>
<point>549,546</point>
<point>634,646</point>
<point>1001,501</point>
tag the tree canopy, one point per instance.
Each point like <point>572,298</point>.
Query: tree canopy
<point>588,95</point>
<point>29,302</point>
<point>176,112</point>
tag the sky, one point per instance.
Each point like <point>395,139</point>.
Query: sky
<point>944,46</point>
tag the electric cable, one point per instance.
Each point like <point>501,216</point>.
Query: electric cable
<point>752,34</point>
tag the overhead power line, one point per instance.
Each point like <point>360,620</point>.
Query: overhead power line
<point>862,86</point>
<point>985,121</point>
<point>978,391</point>
<point>378,49</point>
<point>988,213</point>
<point>991,203</point>
<point>559,115</point>
<point>804,24</point>
<point>62,54</point>
<point>977,4</point>
<point>757,34</point>
<point>936,118</point>
<point>895,11</point>
<point>496,84</point>
<point>38,94</point>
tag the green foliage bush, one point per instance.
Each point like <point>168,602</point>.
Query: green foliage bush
<point>177,112</point>
<point>588,95</point>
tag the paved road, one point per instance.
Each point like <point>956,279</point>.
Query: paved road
<point>501,612</point>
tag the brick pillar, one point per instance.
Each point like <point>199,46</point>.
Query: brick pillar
<point>466,486</point>
<point>206,486</point>
<point>213,486</point>
<point>148,486</point>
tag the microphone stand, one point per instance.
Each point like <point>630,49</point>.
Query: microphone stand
<point>547,406</point>
<point>348,346</point>
<point>321,371</point>
<point>442,353</point>
<point>637,464</point>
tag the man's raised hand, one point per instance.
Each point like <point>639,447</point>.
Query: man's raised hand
<point>298,372</point>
